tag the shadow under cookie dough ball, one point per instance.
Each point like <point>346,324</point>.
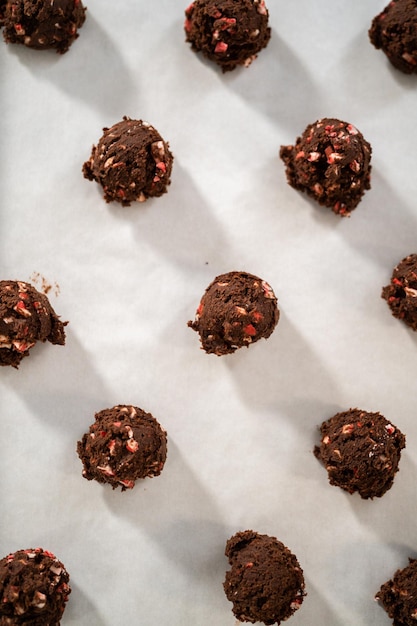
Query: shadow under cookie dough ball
<point>401,293</point>
<point>123,445</point>
<point>394,31</point>
<point>398,595</point>
<point>131,162</point>
<point>42,24</point>
<point>228,32</point>
<point>26,317</point>
<point>360,451</point>
<point>34,588</point>
<point>331,163</point>
<point>265,582</point>
<point>237,309</point>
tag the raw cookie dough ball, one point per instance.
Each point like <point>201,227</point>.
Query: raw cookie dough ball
<point>33,588</point>
<point>236,310</point>
<point>360,451</point>
<point>265,582</point>
<point>26,317</point>
<point>401,293</point>
<point>42,24</point>
<point>228,32</point>
<point>331,163</point>
<point>394,31</point>
<point>398,596</point>
<point>131,162</point>
<point>123,445</point>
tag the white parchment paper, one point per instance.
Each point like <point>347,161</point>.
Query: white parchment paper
<point>241,428</point>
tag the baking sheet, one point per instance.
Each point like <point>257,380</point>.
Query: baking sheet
<point>242,427</point>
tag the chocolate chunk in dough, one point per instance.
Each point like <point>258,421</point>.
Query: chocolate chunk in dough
<point>123,445</point>
<point>360,451</point>
<point>26,317</point>
<point>228,32</point>
<point>131,162</point>
<point>398,596</point>
<point>265,582</point>
<point>236,310</point>
<point>42,24</point>
<point>331,163</point>
<point>394,31</point>
<point>34,588</point>
<point>401,293</point>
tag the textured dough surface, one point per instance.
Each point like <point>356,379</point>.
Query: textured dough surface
<point>237,309</point>
<point>26,317</point>
<point>330,162</point>
<point>131,162</point>
<point>394,31</point>
<point>360,451</point>
<point>34,588</point>
<point>401,293</point>
<point>228,32</point>
<point>123,445</point>
<point>42,24</point>
<point>265,582</point>
<point>398,596</point>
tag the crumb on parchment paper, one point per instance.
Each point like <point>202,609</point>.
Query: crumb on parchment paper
<point>45,285</point>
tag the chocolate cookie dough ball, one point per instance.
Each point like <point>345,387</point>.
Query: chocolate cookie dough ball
<point>42,24</point>
<point>33,588</point>
<point>398,596</point>
<point>228,32</point>
<point>236,310</point>
<point>26,317</point>
<point>123,445</point>
<point>360,451</point>
<point>131,162</point>
<point>394,31</point>
<point>265,582</point>
<point>331,163</point>
<point>2,10</point>
<point>401,293</point>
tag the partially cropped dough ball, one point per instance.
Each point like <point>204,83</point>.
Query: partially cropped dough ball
<point>228,32</point>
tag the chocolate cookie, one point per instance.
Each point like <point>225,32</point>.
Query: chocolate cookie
<point>42,24</point>
<point>26,317</point>
<point>228,32</point>
<point>131,162</point>
<point>401,293</point>
<point>360,451</point>
<point>398,595</point>
<point>265,582</point>
<point>236,310</point>
<point>34,588</point>
<point>331,163</point>
<point>123,445</point>
<point>394,31</point>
